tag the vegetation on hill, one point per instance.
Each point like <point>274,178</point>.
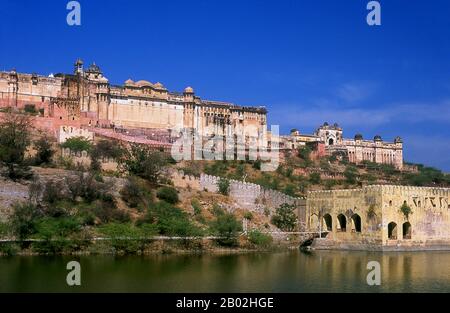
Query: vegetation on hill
<point>65,215</point>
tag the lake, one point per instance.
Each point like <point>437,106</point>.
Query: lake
<point>295,271</point>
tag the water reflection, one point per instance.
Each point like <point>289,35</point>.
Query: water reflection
<point>319,271</point>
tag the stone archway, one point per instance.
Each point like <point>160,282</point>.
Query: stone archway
<point>328,222</point>
<point>407,231</point>
<point>342,223</point>
<point>392,231</point>
<point>356,223</point>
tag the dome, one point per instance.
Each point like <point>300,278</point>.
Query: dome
<point>377,138</point>
<point>159,85</point>
<point>189,90</point>
<point>398,139</point>
<point>94,69</point>
<point>336,125</point>
<point>326,124</point>
<point>358,137</point>
<point>144,83</point>
<point>129,82</point>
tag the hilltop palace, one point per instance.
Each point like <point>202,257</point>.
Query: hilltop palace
<point>85,103</point>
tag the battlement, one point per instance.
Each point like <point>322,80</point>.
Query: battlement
<point>387,189</point>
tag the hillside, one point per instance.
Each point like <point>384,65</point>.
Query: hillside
<point>299,173</point>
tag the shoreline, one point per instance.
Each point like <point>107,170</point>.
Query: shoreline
<point>151,247</point>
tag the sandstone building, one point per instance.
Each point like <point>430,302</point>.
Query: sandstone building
<point>86,98</point>
<point>356,150</point>
<point>371,218</point>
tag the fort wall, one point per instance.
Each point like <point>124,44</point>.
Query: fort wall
<point>372,218</point>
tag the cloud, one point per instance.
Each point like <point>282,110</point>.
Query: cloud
<point>411,120</point>
<point>430,150</point>
<point>406,113</point>
<point>353,92</point>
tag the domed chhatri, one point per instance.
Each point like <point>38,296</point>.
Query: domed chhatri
<point>377,138</point>
<point>158,85</point>
<point>144,83</point>
<point>129,82</point>
<point>358,137</point>
<point>398,139</point>
<point>189,90</point>
<point>94,68</point>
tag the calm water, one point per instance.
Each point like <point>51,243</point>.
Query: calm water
<point>264,272</point>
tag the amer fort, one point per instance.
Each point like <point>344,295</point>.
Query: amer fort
<point>85,104</point>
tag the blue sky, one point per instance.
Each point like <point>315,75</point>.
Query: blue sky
<point>306,61</point>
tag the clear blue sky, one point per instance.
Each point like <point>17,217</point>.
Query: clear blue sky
<point>307,61</point>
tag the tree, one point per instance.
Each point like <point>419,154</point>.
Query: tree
<point>15,132</point>
<point>143,162</point>
<point>44,150</point>
<point>132,193</point>
<point>24,220</point>
<point>285,218</point>
<point>104,149</point>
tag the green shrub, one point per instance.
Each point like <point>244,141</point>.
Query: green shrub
<point>132,193</point>
<point>217,168</point>
<point>44,150</point>
<point>52,193</point>
<point>257,165</point>
<point>217,210</point>
<point>170,220</point>
<point>4,229</point>
<point>259,239</point>
<point>77,144</point>
<point>24,220</point>
<point>168,194</point>
<point>125,238</point>
<point>8,249</point>
<point>290,190</point>
<point>248,215</point>
<point>224,186</point>
<point>55,234</point>
<point>351,174</point>
<point>314,178</point>
<point>227,227</point>
<point>285,218</point>
<point>106,212</point>
<point>330,183</point>
<point>406,210</point>
<point>30,108</point>
<point>143,162</point>
<point>15,134</point>
<point>192,168</point>
<point>196,206</point>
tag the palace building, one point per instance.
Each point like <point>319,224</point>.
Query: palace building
<point>140,111</point>
<point>86,98</point>
<point>356,150</point>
